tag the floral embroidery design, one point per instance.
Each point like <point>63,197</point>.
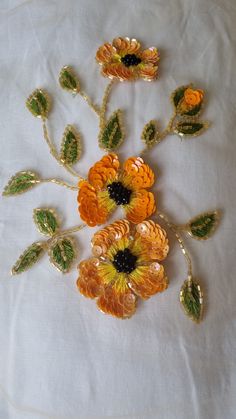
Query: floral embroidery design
<point>126,254</point>
<point>124,60</point>
<point>125,266</point>
<point>108,186</point>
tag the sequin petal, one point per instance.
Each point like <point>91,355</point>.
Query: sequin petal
<point>90,209</point>
<point>152,239</point>
<point>138,175</point>
<point>126,45</point>
<point>90,283</point>
<point>118,70</point>
<point>142,206</point>
<point>146,281</point>
<point>150,55</point>
<point>105,53</point>
<point>118,299</point>
<point>148,72</point>
<point>103,239</point>
<point>105,170</point>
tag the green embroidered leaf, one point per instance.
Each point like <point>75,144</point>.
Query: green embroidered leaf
<point>68,80</point>
<point>62,253</point>
<point>46,220</point>
<point>149,133</point>
<point>20,182</point>
<point>71,146</point>
<point>194,111</point>
<point>203,226</point>
<point>38,103</point>
<point>191,298</point>
<point>178,94</point>
<point>190,128</point>
<point>30,256</point>
<point>112,135</point>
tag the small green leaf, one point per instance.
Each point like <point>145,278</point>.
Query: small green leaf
<point>38,103</point>
<point>191,298</point>
<point>68,80</point>
<point>178,94</point>
<point>149,133</point>
<point>30,256</point>
<point>20,182</point>
<point>194,111</point>
<point>112,135</point>
<point>203,226</point>
<point>46,220</point>
<point>190,128</point>
<point>62,253</point>
<point>71,146</point>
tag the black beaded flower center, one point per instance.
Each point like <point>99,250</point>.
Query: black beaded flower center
<point>125,261</point>
<point>119,193</point>
<point>130,59</point>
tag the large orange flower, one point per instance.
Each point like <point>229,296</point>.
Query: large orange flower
<point>108,187</point>
<point>124,60</point>
<point>124,266</point>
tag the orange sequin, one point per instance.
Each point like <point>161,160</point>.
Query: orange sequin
<point>193,97</point>
<point>113,56</point>
<point>117,290</point>
<point>95,203</point>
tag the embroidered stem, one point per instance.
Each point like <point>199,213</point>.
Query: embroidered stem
<point>54,152</point>
<point>174,229</point>
<point>103,109</point>
<point>65,233</point>
<point>89,102</point>
<point>58,182</point>
<point>162,135</point>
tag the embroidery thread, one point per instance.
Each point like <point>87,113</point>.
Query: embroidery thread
<point>126,254</point>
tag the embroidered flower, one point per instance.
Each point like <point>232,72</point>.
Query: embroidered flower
<point>124,60</point>
<point>193,97</point>
<point>124,266</point>
<point>108,186</point>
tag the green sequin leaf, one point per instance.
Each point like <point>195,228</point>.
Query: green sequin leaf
<point>38,103</point>
<point>203,226</point>
<point>112,135</point>
<point>178,95</point>
<point>20,182</point>
<point>46,220</point>
<point>68,80</point>
<point>190,128</point>
<point>62,253</point>
<point>71,146</point>
<point>30,256</point>
<point>191,298</point>
<point>149,133</point>
<point>194,111</point>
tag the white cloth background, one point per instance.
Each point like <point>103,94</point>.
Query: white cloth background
<point>59,356</point>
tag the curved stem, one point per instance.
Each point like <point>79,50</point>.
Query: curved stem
<point>90,102</point>
<point>54,152</point>
<point>58,182</point>
<point>162,135</point>
<point>174,229</point>
<point>66,232</point>
<point>103,109</point>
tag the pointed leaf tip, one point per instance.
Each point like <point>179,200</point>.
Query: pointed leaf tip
<point>191,298</point>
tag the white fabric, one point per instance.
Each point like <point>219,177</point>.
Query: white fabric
<point>59,356</point>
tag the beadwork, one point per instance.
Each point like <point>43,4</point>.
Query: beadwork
<point>126,254</point>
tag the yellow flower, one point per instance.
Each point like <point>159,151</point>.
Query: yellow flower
<point>108,186</point>
<point>193,97</point>
<point>124,60</point>
<point>124,266</point>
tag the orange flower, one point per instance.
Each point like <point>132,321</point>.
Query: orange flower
<point>108,187</point>
<point>193,97</point>
<point>124,60</point>
<point>124,266</point>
